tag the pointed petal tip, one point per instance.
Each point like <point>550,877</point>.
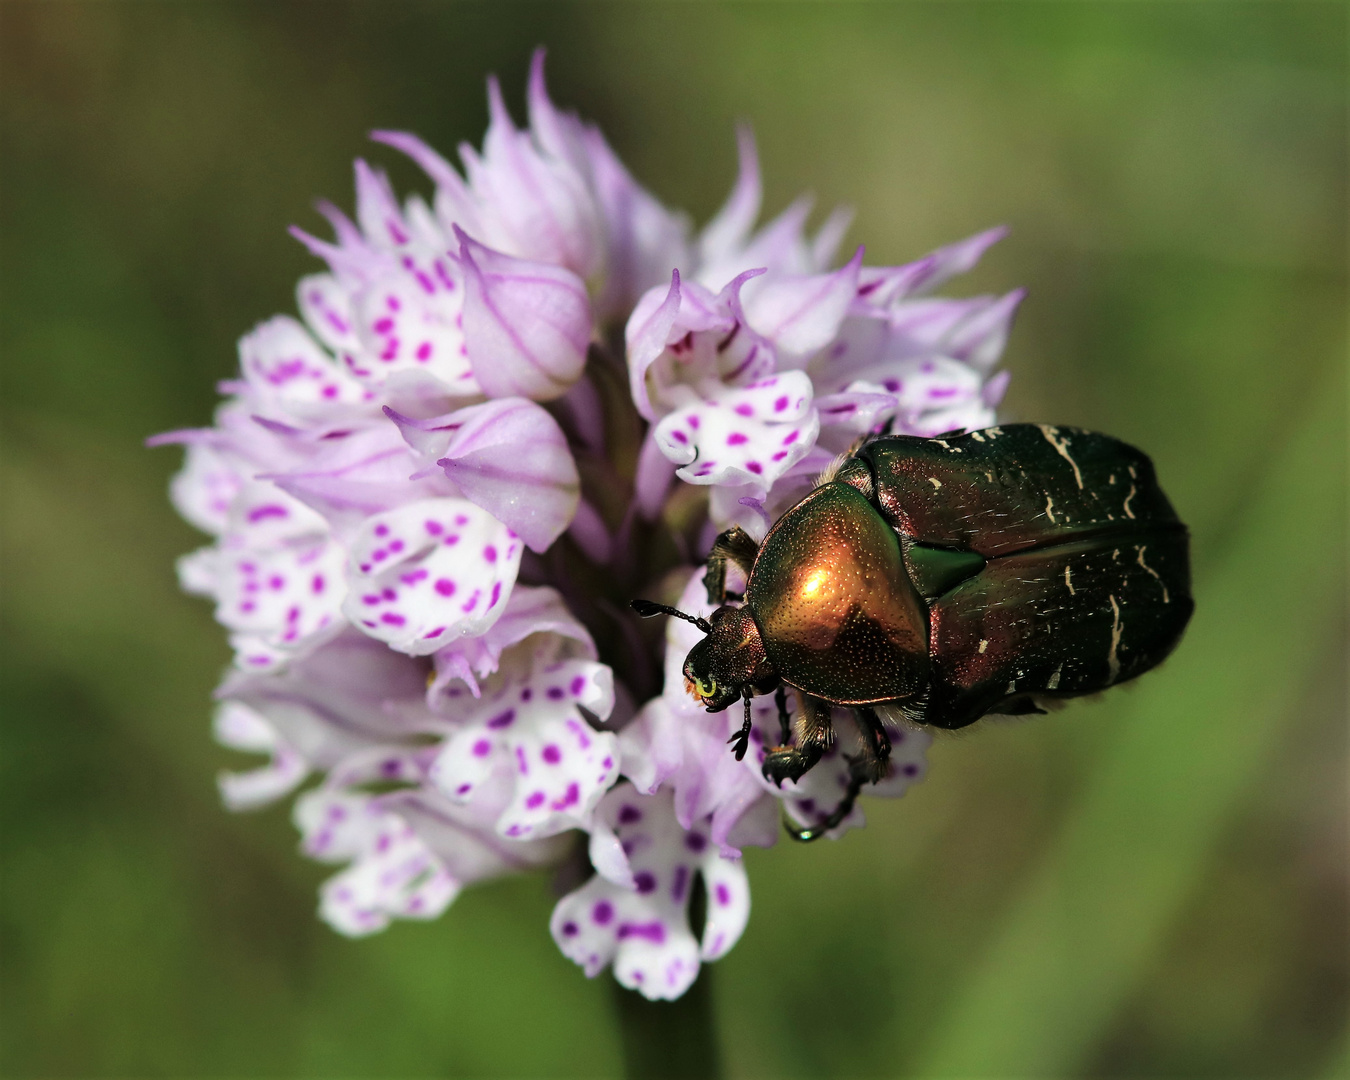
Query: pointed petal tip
<point>746,146</point>
<point>497,110</point>
<point>310,241</point>
<point>537,68</point>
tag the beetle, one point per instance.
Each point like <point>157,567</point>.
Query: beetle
<point>938,580</point>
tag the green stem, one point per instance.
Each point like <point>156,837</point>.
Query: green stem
<point>669,1039</point>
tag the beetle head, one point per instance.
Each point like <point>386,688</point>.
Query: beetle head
<point>728,662</point>
<point>731,658</point>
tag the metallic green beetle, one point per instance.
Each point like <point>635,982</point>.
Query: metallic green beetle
<point>944,579</point>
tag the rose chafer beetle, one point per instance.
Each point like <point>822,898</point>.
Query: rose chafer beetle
<point>941,580</point>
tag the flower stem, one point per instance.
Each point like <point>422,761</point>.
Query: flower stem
<point>669,1039</point>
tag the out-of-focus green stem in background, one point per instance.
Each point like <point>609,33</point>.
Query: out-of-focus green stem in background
<point>1149,885</point>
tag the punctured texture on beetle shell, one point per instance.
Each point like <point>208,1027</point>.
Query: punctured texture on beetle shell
<point>838,614</point>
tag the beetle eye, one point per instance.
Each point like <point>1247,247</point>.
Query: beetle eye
<point>700,688</point>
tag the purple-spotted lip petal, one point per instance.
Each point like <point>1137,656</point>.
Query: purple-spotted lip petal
<point>530,610</point>
<point>638,920</point>
<point>526,723</point>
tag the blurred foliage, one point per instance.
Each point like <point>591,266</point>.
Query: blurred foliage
<point>1153,884</point>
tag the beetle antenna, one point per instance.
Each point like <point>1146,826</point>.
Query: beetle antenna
<point>646,609</point>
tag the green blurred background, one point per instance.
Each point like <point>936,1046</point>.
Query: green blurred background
<point>1149,885</point>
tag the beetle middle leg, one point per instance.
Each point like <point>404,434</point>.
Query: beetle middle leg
<point>815,735</point>
<point>870,765</point>
<point>784,720</point>
<point>836,817</point>
<point>734,546</point>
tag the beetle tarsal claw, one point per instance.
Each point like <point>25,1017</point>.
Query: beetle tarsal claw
<point>787,763</point>
<point>741,739</point>
<point>740,743</point>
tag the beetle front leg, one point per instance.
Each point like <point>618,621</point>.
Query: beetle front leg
<point>740,742</point>
<point>815,735</point>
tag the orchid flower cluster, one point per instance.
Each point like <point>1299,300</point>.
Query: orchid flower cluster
<point>499,417</point>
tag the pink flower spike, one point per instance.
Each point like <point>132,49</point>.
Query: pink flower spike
<point>444,401</point>
<point>526,324</point>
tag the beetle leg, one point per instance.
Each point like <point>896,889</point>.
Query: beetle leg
<point>815,735</point>
<point>872,763</point>
<point>784,721</point>
<point>740,742</point>
<point>735,546</point>
<point>815,832</point>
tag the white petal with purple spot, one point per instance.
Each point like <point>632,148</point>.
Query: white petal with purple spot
<point>327,308</point>
<point>206,486</point>
<point>429,572</point>
<point>527,722</point>
<point>643,930</point>
<point>278,601</point>
<point>393,874</point>
<point>241,728</point>
<point>530,610</point>
<point>751,435</point>
<point>292,376</point>
<point>412,321</point>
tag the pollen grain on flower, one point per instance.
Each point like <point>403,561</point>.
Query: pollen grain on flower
<point>420,565</point>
